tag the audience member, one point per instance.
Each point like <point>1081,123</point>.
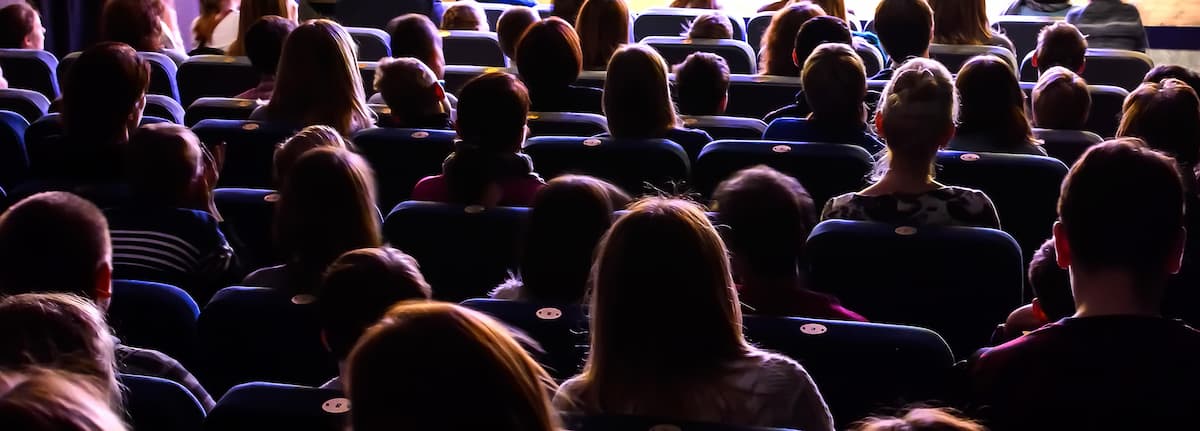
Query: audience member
<point>916,118</point>
<point>778,42</point>
<point>1052,300</point>
<point>59,331</point>
<point>905,29</point>
<point>637,100</point>
<point>696,4</point>
<point>549,61</point>
<point>1117,363</point>
<point>702,84</point>
<point>512,25</point>
<point>357,289</point>
<point>141,24</point>
<point>250,12</point>
<point>837,81</point>
<point>775,5</point>
<point>56,242</point>
<point>569,217</point>
<point>414,96</point>
<point>814,32</point>
<point>710,26</point>
<point>414,35</point>
<point>264,45</point>
<point>21,27</point>
<point>487,167</point>
<point>992,117</point>
<point>1111,24</point>
<point>1057,8</point>
<point>1060,44</point>
<point>662,267</point>
<point>465,15</point>
<point>318,81</point>
<point>837,9</point>
<point>292,148</point>
<point>217,26</point>
<point>603,27</point>
<point>1164,71</point>
<point>425,363</point>
<point>765,218</point>
<point>568,10</point>
<point>965,22</point>
<point>1061,100</point>
<point>53,400</point>
<point>920,419</point>
<point>1166,115</point>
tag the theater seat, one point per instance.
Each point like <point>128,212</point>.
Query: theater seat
<point>249,149</point>
<point>43,136</point>
<point>592,78</point>
<point>493,12</point>
<point>642,423</point>
<point>162,72</point>
<point>163,107</point>
<point>825,170</point>
<point>724,127</point>
<point>472,48</point>
<point>798,129</point>
<point>1066,145</point>
<point>27,103</point>
<point>955,56</point>
<point>756,27</point>
<point>1115,67</point>
<point>155,316</point>
<point>262,406</point>
<point>737,54</point>
<point>219,108</point>
<point>755,96</point>
<point>402,157</point>
<point>154,403</point>
<point>457,75</point>
<point>1107,107</point>
<point>1022,30</point>
<point>251,214</point>
<point>669,21</point>
<point>376,14</point>
<point>565,124</point>
<point>373,44</point>
<point>560,330</point>
<point>30,69</point>
<point>14,161</point>
<point>628,164</point>
<point>214,76</point>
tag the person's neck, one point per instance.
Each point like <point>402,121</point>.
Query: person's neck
<point>902,179</point>
<point>1113,293</point>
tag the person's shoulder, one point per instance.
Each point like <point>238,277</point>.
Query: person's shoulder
<point>271,276</point>
<point>137,360</point>
<point>961,193</point>
<point>568,397</point>
<point>690,134</point>
<point>778,368</point>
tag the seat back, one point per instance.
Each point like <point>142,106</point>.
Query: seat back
<point>31,69</point>
<point>156,316</point>
<point>1066,145</point>
<point>871,56</point>
<point>376,14</point>
<point>249,149</point>
<point>163,107</point>
<point>669,21</point>
<point>1107,107</point>
<point>799,129</point>
<point>958,281</point>
<point>1023,30</point>
<point>493,12</point>
<point>755,96</point>
<point>737,54</point>
<point>473,48</point>
<point>592,78</point>
<point>1116,67</point>
<point>373,43</point>
<point>566,124</point>
<point>860,367</point>
<point>457,75</point>
<point>153,403</point>
<point>261,406</point>
<point>14,161</point>
<point>402,157</point>
<point>27,103</point>
<point>250,214</point>
<point>954,56</point>
<point>162,72</point>
<point>43,136</point>
<point>214,76</point>
<point>560,330</point>
<point>643,423</point>
<point>628,164</point>
<point>464,251</point>
<point>723,127</point>
<point>825,170</point>
<point>218,108</point>
<point>757,27</point>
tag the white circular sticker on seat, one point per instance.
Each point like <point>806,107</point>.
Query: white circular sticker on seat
<point>474,209</point>
<point>813,328</point>
<point>304,299</point>
<point>336,405</point>
<point>548,313</point>
<point>906,230</point>
<point>781,148</point>
<point>591,142</point>
<point>969,157</point>
<point>420,134</point>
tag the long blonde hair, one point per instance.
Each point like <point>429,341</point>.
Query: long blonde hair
<point>637,94</point>
<point>603,26</point>
<point>779,40</point>
<point>250,12</point>
<point>918,105</point>
<point>960,22</point>
<point>54,399</point>
<point>318,80</point>
<point>835,8</point>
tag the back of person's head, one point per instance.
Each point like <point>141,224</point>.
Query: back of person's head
<point>55,242</point>
<point>835,84</point>
<point>359,287</point>
<point>1060,44</point>
<point>414,35</point>
<point>1061,100</point>
<point>917,113</point>
<point>164,164</point>
<point>104,97</point>
<point>696,4</point>
<point>816,31</point>
<point>20,27</point>
<point>43,399</point>
<point>290,150</point>
<point>920,419</point>
<point>778,42</point>
<point>249,13</point>
<point>904,27</point>
<point>960,22</point>
<point>835,8</point>
<point>1164,71</point>
<point>1121,209</point>
<point>569,216</point>
<point>60,331</point>
<point>318,80</point>
<point>603,26</point>
<point>637,94</point>
<point>264,42</point>
<point>548,55</point>
<point>431,365</point>
<point>465,15</point>
<point>710,26</point>
<point>566,9</point>
<point>137,23</point>
<point>702,84</point>
<point>492,111</point>
<point>512,24</point>
<point>1050,283</point>
<point>766,217</point>
<point>410,89</point>
<point>326,208</point>
<point>992,101</point>
<point>1165,116</point>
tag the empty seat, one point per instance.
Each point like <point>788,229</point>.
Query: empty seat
<point>260,406</point>
<point>373,44</point>
<point>464,252</point>
<point>473,48</point>
<point>755,96</point>
<point>1022,30</point>
<point>1066,145</point>
<point>249,149</point>
<point>14,161</point>
<point>493,12</point>
<point>560,330</point>
<point>860,367</point>
<point>27,103</point>
<point>31,69</point>
<point>401,157</point>
<point>1107,107</point>
<point>153,403</point>
<point>629,164</point>
<point>958,281</point>
<point>723,127</point>
<point>641,423</point>
<point>163,107</point>
<point>798,129</point>
<point>249,217</point>
<point>737,54</point>
<point>825,170</point>
<point>954,56</point>
<point>214,76</point>
<point>156,316</point>
<point>219,108</point>
<point>668,21</point>
<point>566,124</point>
<point>162,72</point>
<point>757,27</point>
<point>376,14</point>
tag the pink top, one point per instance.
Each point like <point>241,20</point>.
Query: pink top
<point>515,192</point>
<point>799,302</point>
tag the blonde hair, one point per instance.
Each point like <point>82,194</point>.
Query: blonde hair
<point>603,27</point>
<point>637,94</point>
<point>960,22</point>
<point>290,150</point>
<point>779,41</point>
<point>1165,115</point>
<point>917,106</point>
<point>249,13</point>
<point>835,8</point>
<point>42,399</point>
<point>920,419</point>
<point>465,15</point>
<point>835,84</point>
<point>409,88</point>
<point>318,80</point>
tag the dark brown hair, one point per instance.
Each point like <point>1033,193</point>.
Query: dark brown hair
<point>603,26</point>
<point>548,56</point>
<point>107,83</point>
<point>414,35</point>
<point>319,81</point>
<point>835,84</point>
<point>637,94</point>
<point>53,242</point>
<point>960,22</point>
<point>136,23</point>
<point>1164,71</point>
<point>264,42</point>
<point>710,26</point>
<point>1061,100</point>
<point>1061,44</point>
<point>992,101</point>
<point>1051,284</point>
<point>1166,115</point>
<point>359,287</point>
<point>251,11</point>
<point>512,24</point>
<point>765,219</point>
<point>163,161</point>
<point>701,84</point>
<point>566,9</point>
<point>904,27</point>
<point>779,40</point>
<point>17,20</point>
<point>816,31</point>
<point>492,111</point>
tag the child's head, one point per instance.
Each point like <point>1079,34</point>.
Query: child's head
<point>414,35</point>
<point>1060,44</point>
<point>710,26</point>
<point>920,419</point>
<point>465,15</point>
<point>992,101</point>
<point>410,89</point>
<point>1164,71</point>
<point>1061,100</point>
<point>21,27</point>
<point>55,242</point>
<point>702,84</point>
<point>165,165</point>
<point>917,113</point>
<point>60,331</point>
<point>359,287</point>
<point>288,151</point>
<point>766,217</point>
<point>835,84</point>
<point>548,55</point>
<point>1051,284</point>
<point>492,111</point>
<point>905,28</point>
<point>1166,115</point>
<point>637,94</point>
<point>46,399</point>
<point>817,31</point>
<point>511,25</point>
<point>603,26</point>
<point>778,42</point>
<point>264,42</point>
<point>104,98</point>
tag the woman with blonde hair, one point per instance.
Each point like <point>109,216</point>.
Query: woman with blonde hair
<point>603,27</point>
<point>249,13</point>
<point>638,104</point>
<point>838,9</point>
<point>920,419</point>
<point>965,22</point>
<point>290,150</point>
<point>778,42</point>
<point>666,332</point>
<point>318,81</point>
<point>51,400</point>
<point>216,27</point>
<point>992,117</point>
<point>431,365</point>
<point>1165,114</point>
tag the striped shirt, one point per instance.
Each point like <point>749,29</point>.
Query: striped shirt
<point>177,246</point>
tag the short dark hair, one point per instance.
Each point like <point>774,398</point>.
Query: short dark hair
<point>109,79</point>
<point>1050,283</point>
<point>701,83</point>
<point>359,287</point>
<point>52,242</point>
<point>1061,44</point>
<point>819,30</point>
<point>548,55</point>
<point>16,22</point>
<point>1122,208</point>
<point>766,217</point>
<point>162,162</point>
<point>133,22</point>
<point>512,25</point>
<point>264,42</point>
<point>1165,71</point>
<point>414,35</point>
<point>904,27</point>
<point>1061,100</point>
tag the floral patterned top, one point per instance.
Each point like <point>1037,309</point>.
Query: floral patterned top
<point>946,206</point>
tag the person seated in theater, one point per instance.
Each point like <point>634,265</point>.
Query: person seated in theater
<point>965,22</point>
<point>1055,8</point>
<point>65,401</point>
<point>696,4</point>
<point>465,15</point>
<point>837,83</point>
<point>603,27</point>
<point>21,27</point>
<point>217,26</point>
<point>290,150</point>
<point>992,113</point>
<point>145,25</point>
<point>263,44</point>
<point>487,166</point>
<point>549,62</point>
<point>702,85</point>
<point>415,97</point>
<point>357,289</point>
<point>710,26</point>
<point>920,419</point>
<point>766,217</point>
<point>1052,300</point>
<point>816,31</point>
<point>171,232</point>
<point>638,103</point>
<point>915,119</point>
<point>56,242</point>
<point>1164,71</point>
<point>905,29</point>
<point>1117,363</point>
<point>1061,101</point>
<point>777,53</point>
<point>1060,44</point>
<point>1111,24</point>
<point>414,35</point>
<point>250,11</point>
<point>318,81</point>
<point>512,25</point>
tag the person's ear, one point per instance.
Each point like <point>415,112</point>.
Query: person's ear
<point>439,91</point>
<point>1177,249</point>
<point>102,279</point>
<point>1038,311</point>
<point>1033,61</point>
<point>1062,250</point>
<point>1082,66</point>
<point>724,104</point>
<point>879,125</point>
<point>796,60</point>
